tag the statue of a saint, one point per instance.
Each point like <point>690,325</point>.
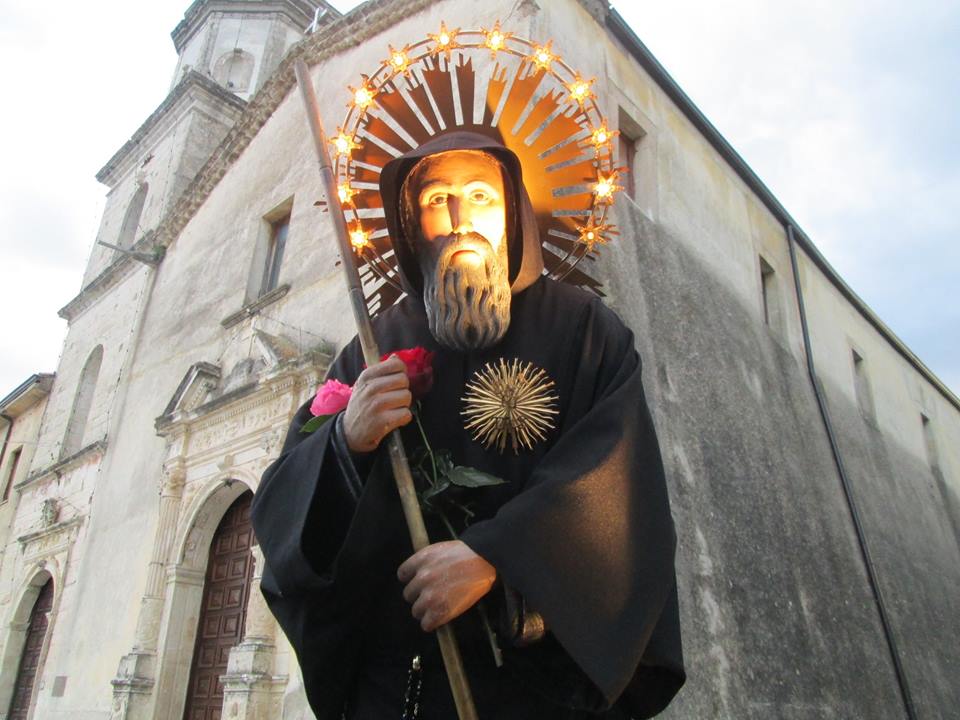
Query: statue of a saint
<point>536,383</point>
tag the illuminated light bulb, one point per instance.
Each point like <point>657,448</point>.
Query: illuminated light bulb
<point>606,186</point>
<point>399,60</point>
<point>363,97</point>
<point>446,40</point>
<point>343,143</point>
<point>593,234</point>
<point>345,192</point>
<point>602,136</point>
<point>542,57</point>
<point>580,90</point>
<point>358,238</point>
<point>495,39</point>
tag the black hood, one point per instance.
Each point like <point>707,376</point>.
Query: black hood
<point>523,236</point>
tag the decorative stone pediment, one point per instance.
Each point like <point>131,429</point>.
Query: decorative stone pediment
<point>194,390</point>
<point>273,348</point>
<point>50,540</point>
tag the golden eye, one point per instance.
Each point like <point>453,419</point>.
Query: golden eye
<point>437,200</point>
<point>480,197</point>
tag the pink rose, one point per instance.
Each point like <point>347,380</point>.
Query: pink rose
<point>331,398</point>
<point>419,362</point>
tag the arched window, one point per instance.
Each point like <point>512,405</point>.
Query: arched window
<point>233,70</point>
<point>82,403</point>
<point>131,220</point>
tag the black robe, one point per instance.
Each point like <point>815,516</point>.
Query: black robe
<point>582,530</point>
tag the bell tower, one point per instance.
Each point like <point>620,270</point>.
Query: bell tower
<point>239,43</point>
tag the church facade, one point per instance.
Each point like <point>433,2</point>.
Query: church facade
<point>813,460</point>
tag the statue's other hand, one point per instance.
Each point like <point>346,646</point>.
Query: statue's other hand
<point>443,581</point>
<point>380,402</point>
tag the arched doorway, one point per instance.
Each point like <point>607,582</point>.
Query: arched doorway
<point>223,609</point>
<point>30,659</point>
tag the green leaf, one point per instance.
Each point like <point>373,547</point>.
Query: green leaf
<point>315,422</point>
<point>471,477</point>
<point>435,490</point>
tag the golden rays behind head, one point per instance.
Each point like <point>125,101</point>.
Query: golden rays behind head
<point>509,402</point>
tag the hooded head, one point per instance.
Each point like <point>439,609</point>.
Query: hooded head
<point>464,234</point>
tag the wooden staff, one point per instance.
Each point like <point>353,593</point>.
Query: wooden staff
<point>398,456</point>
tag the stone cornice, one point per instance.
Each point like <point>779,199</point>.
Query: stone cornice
<point>254,307</point>
<point>54,529</point>
<point>111,276</point>
<point>191,83</point>
<point>65,465</point>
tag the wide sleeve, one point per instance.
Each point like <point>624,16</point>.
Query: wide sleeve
<point>589,541</point>
<point>312,515</point>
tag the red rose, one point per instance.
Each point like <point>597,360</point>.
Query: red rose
<point>419,362</point>
<point>331,398</point>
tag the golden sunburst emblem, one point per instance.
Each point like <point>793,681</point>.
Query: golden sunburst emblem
<point>510,402</point>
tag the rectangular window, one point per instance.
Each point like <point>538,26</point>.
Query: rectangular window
<point>629,142</point>
<point>275,247</point>
<point>12,473</point>
<point>861,386</point>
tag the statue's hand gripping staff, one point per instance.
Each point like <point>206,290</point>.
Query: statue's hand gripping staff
<point>371,354</point>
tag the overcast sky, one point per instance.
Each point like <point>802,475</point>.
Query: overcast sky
<point>848,110</point>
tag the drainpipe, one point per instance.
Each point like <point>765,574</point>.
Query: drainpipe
<point>847,490</point>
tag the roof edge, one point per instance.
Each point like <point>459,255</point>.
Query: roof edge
<point>38,382</point>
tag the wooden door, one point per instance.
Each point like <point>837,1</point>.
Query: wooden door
<point>223,610</point>
<point>30,660</point>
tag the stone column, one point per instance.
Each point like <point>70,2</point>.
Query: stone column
<point>250,689</point>
<point>151,606</point>
<point>133,685</point>
<point>260,625</point>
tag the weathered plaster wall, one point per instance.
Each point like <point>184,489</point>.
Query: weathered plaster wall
<point>166,159</point>
<point>94,579</point>
<point>23,437</point>
<point>109,323</point>
<point>166,151</point>
<point>778,614</point>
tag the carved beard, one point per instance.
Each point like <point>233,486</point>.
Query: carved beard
<point>468,305</point>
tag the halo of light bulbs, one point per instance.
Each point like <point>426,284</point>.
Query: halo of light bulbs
<point>445,48</point>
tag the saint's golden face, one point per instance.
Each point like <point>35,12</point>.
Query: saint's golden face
<point>462,192</point>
